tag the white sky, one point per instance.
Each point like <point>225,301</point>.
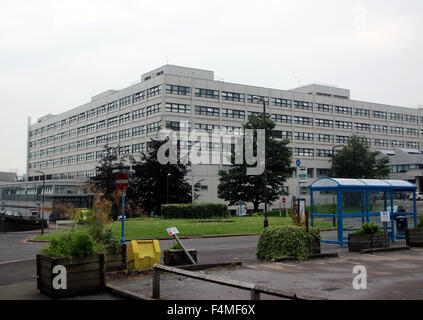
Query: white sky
<point>56,55</point>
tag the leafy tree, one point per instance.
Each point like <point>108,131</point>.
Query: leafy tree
<point>104,180</point>
<point>154,183</point>
<point>356,160</point>
<point>148,184</point>
<point>236,185</point>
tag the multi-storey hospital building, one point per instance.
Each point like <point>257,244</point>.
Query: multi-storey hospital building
<point>315,118</point>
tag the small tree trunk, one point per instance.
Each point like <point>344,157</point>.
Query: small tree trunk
<point>256,206</point>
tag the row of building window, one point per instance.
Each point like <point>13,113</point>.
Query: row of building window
<point>230,96</point>
<point>109,107</point>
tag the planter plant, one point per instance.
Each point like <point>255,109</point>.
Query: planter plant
<point>175,256</point>
<point>73,261</point>
<point>368,237</point>
<point>414,236</point>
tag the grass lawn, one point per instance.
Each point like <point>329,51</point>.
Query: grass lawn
<point>153,228</point>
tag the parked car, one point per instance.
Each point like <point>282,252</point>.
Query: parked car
<point>419,196</point>
<point>16,214</point>
<point>2,212</point>
<point>9,213</point>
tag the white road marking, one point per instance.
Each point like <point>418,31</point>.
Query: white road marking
<point>15,261</point>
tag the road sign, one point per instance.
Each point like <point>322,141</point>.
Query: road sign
<point>172,231</point>
<point>302,174</point>
<point>283,199</point>
<point>298,162</point>
<point>384,216</point>
<point>122,181</point>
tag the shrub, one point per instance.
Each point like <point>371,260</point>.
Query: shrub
<point>74,243</point>
<point>368,228</point>
<point>194,211</point>
<point>276,242</point>
<point>82,244</point>
<point>420,224</point>
<point>101,234</point>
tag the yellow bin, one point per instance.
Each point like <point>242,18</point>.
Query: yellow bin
<point>143,254</point>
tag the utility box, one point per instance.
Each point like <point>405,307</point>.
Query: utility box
<point>143,254</point>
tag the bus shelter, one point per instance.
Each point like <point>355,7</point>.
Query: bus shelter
<point>362,199</point>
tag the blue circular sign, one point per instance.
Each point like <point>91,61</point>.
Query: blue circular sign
<point>298,162</point>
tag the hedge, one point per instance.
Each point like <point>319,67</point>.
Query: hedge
<point>194,211</point>
<point>281,241</point>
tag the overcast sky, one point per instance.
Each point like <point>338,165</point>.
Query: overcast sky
<point>56,55</point>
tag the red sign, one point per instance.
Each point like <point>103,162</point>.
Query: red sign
<point>283,199</point>
<point>122,181</point>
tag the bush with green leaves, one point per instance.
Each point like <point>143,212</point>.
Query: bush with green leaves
<point>102,234</point>
<point>420,224</point>
<point>280,241</point>
<point>194,211</point>
<point>368,228</point>
<point>74,243</point>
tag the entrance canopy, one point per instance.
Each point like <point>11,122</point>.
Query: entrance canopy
<point>359,198</point>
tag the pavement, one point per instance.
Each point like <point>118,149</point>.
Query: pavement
<point>394,275</point>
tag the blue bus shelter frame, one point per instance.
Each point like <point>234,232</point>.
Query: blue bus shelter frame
<point>364,188</point>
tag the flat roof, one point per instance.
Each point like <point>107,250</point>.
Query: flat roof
<point>365,184</point>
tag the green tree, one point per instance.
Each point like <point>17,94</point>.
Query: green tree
<point>236,185</point>
<point>356,160</point>
<point>149,184</point>
<point>154,184</point>
<point>104,180</point>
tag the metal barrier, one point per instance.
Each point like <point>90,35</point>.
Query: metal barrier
<point>255,290</point>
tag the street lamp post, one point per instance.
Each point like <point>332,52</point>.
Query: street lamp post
<point>42,210</point>
<point>266,222</point>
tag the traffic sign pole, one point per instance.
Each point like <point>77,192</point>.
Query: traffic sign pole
<point>122,239</point>
<point>122,181</point>
<point>173,232</point>
<point>385,218</point>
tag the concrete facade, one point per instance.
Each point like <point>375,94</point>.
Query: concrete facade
<point>316,118</point>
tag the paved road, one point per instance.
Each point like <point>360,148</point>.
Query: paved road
<point>222,249</point>
<point>12,247</point>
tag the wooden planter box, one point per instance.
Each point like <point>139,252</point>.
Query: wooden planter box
<point>84,275</point>
<point>178,257</point>
<point>414,237</point>
<point>116,260</point>
<point>315,246</point>
<point>358,242</point>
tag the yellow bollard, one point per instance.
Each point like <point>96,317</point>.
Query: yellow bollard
<point>143,254</point>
